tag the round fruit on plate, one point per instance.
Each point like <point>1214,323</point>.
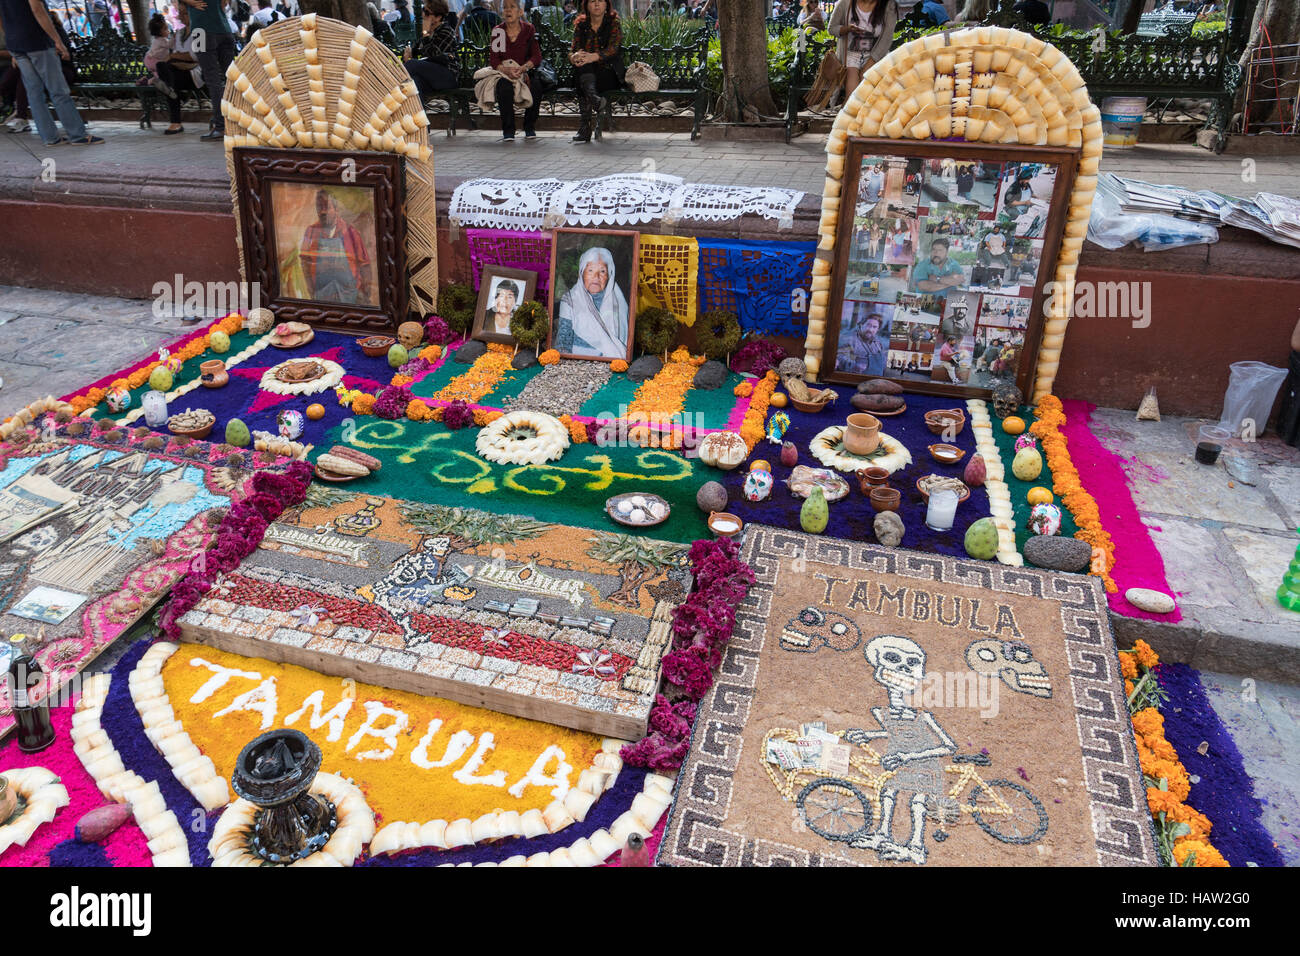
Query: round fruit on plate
<point>1039,496</point>
<point>1013,424</point>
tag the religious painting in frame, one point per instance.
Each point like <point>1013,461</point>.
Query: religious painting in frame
<point>593,293</point>
<point>501,291</point>
<point>943,257</point>
<point>324,236</point>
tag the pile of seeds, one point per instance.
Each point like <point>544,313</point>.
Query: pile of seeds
<point>190,419</point>
<point>562,388</point>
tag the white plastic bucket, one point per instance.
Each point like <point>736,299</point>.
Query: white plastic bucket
<point>1252,386</point>
<point>1121,118</point>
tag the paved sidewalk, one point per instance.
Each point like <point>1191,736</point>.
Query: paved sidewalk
<point>132,153</point>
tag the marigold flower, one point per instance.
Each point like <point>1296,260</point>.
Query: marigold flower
<point>1161,801</point>
<point>431,353</point>
<point>744,389</point>
<point>618,365</point>
<point>549,357</point>
<point>1205,855</point>
<point>1148,722</point>
<point>363,404</point>
<point>1145,655</point>
<point>1127,665</point>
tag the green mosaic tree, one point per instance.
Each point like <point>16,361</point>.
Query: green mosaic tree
<point>468,528</point>
<point>638,560</point>
<point>318,496</point>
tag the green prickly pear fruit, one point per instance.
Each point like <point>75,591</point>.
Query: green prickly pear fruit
<point>815,513</point>
<point>982,539</point>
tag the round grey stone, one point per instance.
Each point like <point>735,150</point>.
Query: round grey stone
<point>469,353</point>
<point>524,358</point>
<point>710,376</point>
<point>889,528</point>
<point>1057,553</point>
<point>647,366</point>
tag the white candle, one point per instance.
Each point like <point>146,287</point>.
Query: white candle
<point>942,510</point>
<point>155,408</point>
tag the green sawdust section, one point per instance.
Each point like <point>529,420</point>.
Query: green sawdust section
<point>428,462</point>
<point>188,373</point>
<point>1019,506</point>
<point>511,384</point>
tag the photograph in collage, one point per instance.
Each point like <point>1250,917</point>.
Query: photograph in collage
<point>864,338</point>
<point>999,338</point>
<point>888,187</point>
<point>939,268</point>
<point>1025,198</point>
<point>952,220</point>
<point>966,182</point>
<point>876,282</point>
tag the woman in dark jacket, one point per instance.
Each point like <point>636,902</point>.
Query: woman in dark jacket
<point>435,65</point>
<point>514,38</point>
<point>597,58</point>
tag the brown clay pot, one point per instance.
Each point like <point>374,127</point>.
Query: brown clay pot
<point>885,499</point>
<point>862,434</point>
<point>213,373</point>
<point>871,478</point>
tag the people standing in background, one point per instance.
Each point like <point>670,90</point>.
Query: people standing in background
<point>214,59</point>
<point>865,31</point>
<point>936,12</point>
<point>810,15</point>
<point>36,46</point>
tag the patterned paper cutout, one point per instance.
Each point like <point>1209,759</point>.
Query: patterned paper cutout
<point>669,275</point>
<point>760,282</point>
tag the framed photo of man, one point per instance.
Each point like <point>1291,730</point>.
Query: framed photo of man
<point>500,292</point>
<point>593,293</point>
<point>324,235</point>
<point>979,246</point>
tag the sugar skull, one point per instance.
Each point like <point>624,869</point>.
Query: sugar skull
<point>758,485</point>
<point>1006,400</point>
<point>1013,662</point>
<point>776,426</point>
<point>291,423</point>
<point>1026,441</point>
<point>813,628</point>
<point>410,334</point>
<point>118,399</point>
<point>1045,519</point>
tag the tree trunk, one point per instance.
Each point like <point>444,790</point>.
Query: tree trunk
<point>349,11</point>
<point>1276,23</point>
<point>139,19</point>
<point>745,92</point>
<point>631,577</point>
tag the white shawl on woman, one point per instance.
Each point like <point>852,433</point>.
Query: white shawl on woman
<point>603,329</point>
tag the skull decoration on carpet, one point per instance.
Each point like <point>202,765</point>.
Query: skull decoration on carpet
<point>814,628</point>
<point>1013,662</point>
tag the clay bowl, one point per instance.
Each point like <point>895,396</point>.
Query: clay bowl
<point>941,419</point>
<point>719,517</point>
<point>203,431</point>
<point>925,495</point>
<point>872,477</point>
<point>377,345</point>
<point>812,408</point>
<point>213,373</point>
<point>885,499</point>
<point>8,799</point>
<point>946,454</point>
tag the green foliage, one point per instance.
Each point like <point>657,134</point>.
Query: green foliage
<point>656,330</point>
<point>471,527</point>
<point>718,333</point>
<point>782,50</point>
<point>456,303</point>
<point>618,549</point>
<point>662,30</point>
<point>530,323</point>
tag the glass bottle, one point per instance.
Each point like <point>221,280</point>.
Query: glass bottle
<point>35,731</point>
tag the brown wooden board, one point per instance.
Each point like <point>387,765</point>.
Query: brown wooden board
<point>1048,235</point>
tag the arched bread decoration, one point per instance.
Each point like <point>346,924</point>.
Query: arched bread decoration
<point>317,83</point>
<point>985,84</point>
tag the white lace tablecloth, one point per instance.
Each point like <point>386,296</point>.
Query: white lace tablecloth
<point>620,200</point>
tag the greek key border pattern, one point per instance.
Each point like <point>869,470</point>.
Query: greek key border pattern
<point>695,835</point>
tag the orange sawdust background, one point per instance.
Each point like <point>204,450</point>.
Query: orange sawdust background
<point>395,788</point>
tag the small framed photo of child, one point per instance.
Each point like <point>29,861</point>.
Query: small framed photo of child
<point>501,291</point>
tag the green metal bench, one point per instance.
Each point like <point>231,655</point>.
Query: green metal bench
<point>109,65</point>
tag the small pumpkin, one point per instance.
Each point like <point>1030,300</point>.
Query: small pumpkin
<point>1039,496</point>
<point>1013,425</point>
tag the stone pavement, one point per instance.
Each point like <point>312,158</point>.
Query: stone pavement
<point>1225,544</point>
<point>146,155</point>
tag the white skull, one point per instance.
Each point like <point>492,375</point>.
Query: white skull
<point>1013,662</point>
<point>899,662</point>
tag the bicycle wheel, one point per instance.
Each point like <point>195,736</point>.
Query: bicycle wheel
<point>1025,821</point>
<point>834,809</point>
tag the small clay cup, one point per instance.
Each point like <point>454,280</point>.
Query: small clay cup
<point>213,373</point>
<point>885,499</point>
<point>873,477</point>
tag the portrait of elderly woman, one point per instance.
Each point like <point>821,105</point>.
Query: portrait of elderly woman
<point>593,294</point>
<point>500,292</point>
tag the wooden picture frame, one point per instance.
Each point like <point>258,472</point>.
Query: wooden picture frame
<point>525,281</point>
<point>348,275</point>
<point>995,229</point>
<point>568,246</point>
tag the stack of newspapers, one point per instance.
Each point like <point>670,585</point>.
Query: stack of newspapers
<point>1272,216</point>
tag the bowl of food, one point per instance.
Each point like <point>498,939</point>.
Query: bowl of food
<point>946,454</point>
<point>377,346</point>
<point>725,524</point>
<point>946,421</point>
<point>192,423</point>
<point>638,510</point>
<point>932,483</point>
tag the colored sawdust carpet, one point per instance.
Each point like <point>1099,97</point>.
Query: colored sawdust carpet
<point>882,705</point>
<point>527,617</point>
<point>103,524</point>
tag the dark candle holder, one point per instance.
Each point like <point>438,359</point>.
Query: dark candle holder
<point>275,772</point>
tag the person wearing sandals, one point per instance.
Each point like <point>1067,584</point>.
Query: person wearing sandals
<point>516,54</point>
<point>36,48</point>
<point>597,58</point>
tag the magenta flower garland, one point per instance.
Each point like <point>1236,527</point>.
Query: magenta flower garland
<point>757,356</point>
<point>437,331</point>
<point>702,625</point>
<point>238,536</point>
<point>458,415</point>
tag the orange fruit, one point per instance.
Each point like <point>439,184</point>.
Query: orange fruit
<point>760,464</point>
<point>315,412</point>
<point>1013,424</point>
<point>1039,496</point>
<point>777,400</point>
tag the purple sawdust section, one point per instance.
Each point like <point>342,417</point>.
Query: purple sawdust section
<point>125,729</point>
<point>72,853</point>
<point>852,517</point>
<point>613,804</point>
<point>1224,792</point>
